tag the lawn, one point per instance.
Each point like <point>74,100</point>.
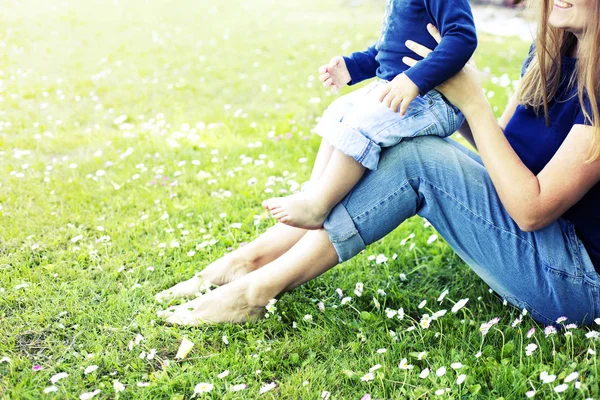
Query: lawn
<point>137,139</point>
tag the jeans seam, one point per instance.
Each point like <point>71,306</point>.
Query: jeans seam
<point>375,85</point>
<point>574,247</point>
<point>428,130</point>
<point>594,302</point>
<point>451,117</point>
<point>363,154</point>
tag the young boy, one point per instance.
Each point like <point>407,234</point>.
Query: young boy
<point>356,126</point>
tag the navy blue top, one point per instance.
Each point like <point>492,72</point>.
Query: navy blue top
<point>535,144</point>
<point>407,20</point>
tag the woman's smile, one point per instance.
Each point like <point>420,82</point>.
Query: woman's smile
<point>562,4</point>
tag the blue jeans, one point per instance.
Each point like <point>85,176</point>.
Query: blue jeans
<point>548,272</point>
<point>358,125</point>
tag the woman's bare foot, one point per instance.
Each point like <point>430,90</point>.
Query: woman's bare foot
<point>190,305</point>
<point>300,210</point>
<point>235,302</point>
<point>224,270</point>
<point>190,288</point>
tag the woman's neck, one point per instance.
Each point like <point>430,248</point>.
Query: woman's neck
<point>575,47</point>
<point>572,48</point>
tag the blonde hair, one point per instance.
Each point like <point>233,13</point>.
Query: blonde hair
<point>540,83</point>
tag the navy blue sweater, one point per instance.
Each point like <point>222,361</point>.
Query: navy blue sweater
<point>407,20</point>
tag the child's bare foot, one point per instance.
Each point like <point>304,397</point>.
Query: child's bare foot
<point>224,270</point>
<point>299,210</point>
<point>233,302</point>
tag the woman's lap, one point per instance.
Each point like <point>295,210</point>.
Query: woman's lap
<point>547,271</point>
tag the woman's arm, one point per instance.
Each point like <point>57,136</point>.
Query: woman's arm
<point>465,129</point>
<point>532,201</point>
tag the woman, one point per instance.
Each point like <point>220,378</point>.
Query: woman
<point>524,214</point>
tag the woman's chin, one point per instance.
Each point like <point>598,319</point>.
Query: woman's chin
<point>556,22</point>
<point>559,22</point>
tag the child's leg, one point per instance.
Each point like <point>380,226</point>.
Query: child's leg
<point>309,209</point>
<point>323,156</point>
<point>334,173</point>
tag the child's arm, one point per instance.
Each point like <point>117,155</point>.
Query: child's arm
<point>454,20</point>
<point>362,65</point>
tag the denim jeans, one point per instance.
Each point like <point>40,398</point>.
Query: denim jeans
<point>548,272</point>
<point>358,125</point>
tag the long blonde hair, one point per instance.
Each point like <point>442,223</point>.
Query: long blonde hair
<point>540,83</point>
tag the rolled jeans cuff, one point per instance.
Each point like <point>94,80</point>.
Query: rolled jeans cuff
<point>349,141</point>
<point>343,234</point>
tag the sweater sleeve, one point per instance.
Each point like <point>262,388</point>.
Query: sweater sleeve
<point>530,56</point>
<point>454,20</point>
<point>362,65</point>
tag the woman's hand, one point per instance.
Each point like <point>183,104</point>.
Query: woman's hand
<point>463,89</point>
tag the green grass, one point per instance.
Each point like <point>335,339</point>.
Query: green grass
<point>215,96</point>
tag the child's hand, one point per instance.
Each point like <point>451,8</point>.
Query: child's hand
<point>401,91</point>
<point>335,74</point>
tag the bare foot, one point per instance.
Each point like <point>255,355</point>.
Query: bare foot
<point>179,309</point>
<point>233,302</point>
<point>190,288</point>
<point>300,210</point>
<point>224,270</point>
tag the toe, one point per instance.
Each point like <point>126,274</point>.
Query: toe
<point>277,214</point>
<point>186,318</point>
<point>268,203</point>
<point>164,313</point>
<point>165,295</point>
<point>280,213</point>
<point>284,219</point>
<point>275,210</point>
<point>175,320</point>
<point>274,203</point>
